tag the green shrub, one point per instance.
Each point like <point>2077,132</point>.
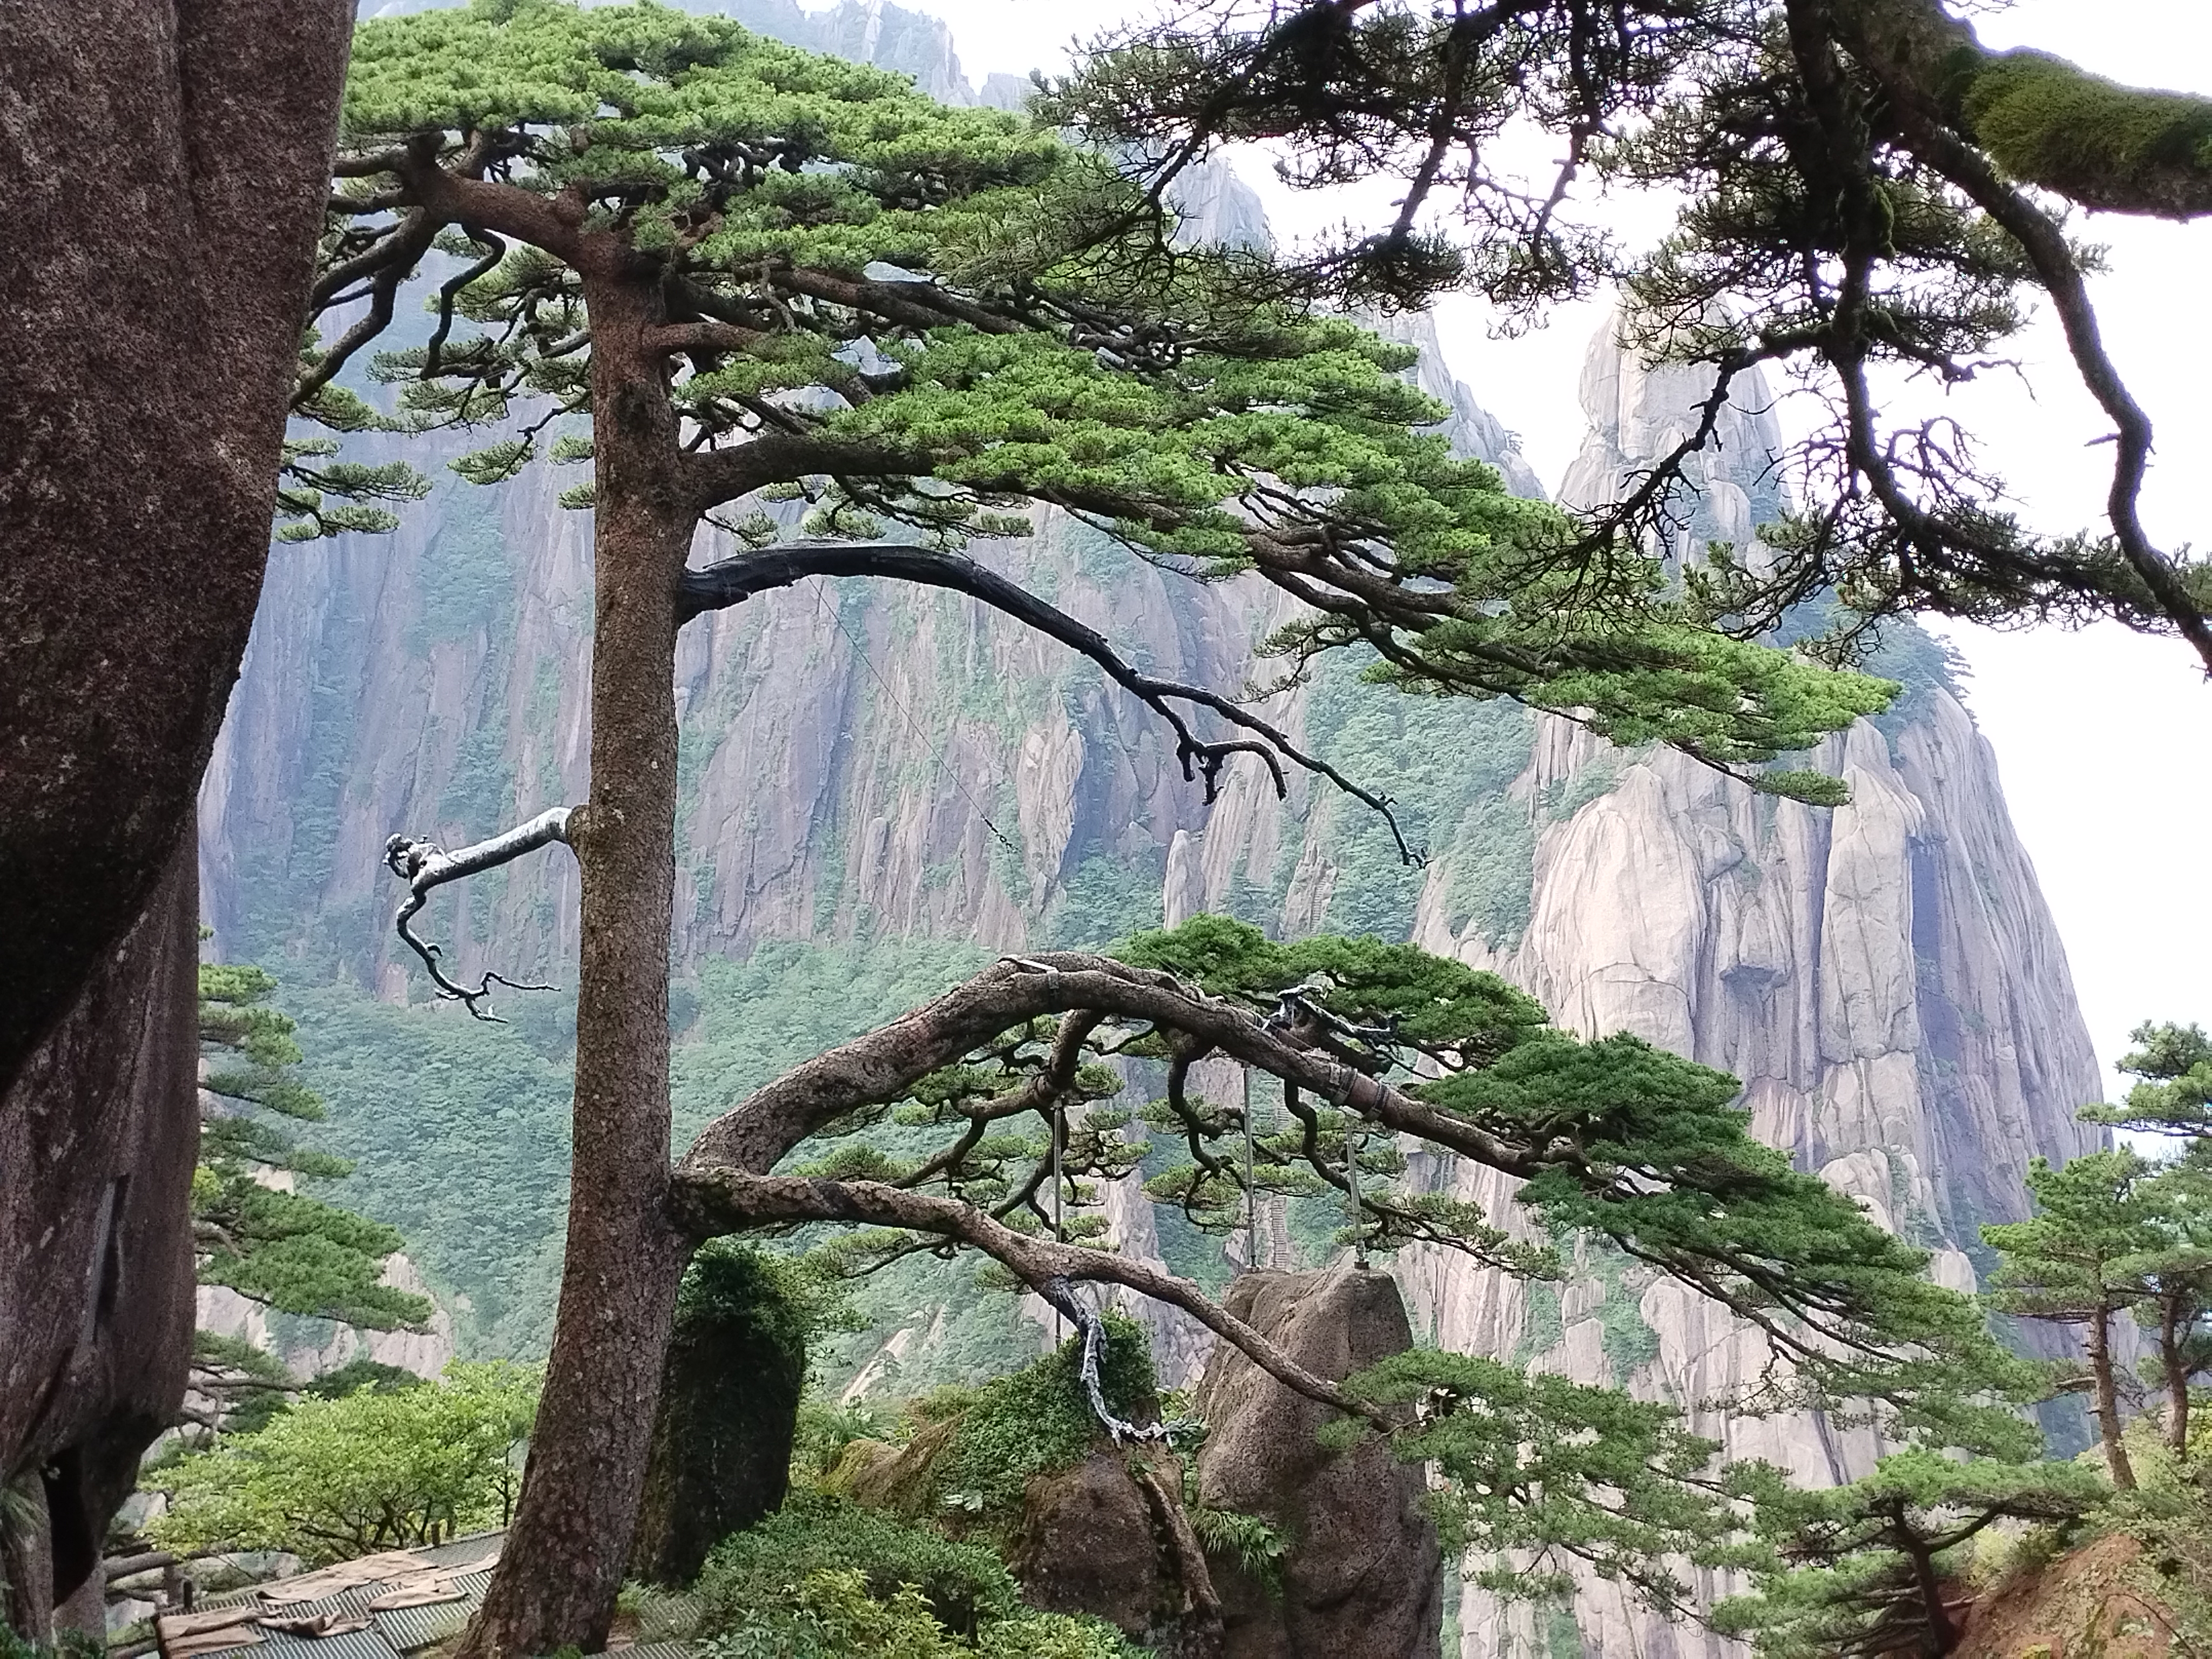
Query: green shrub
<point>964,1585</point>
<point>834,1614</point>
<point>1039,1419</point>
<point>328,1479</point>
<point>826,1427</point>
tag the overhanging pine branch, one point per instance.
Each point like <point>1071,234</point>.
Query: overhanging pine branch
<point>719,1199</point>
<point>1804,1318</point>
<point>425,865</point>
<point>732,581</point>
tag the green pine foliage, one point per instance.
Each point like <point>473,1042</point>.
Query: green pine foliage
<point>2118,1232</point>
<point>1692,1193</point>
<point>1813,231</point>
<point>1865,1569</point>
<point>1181,401</point>
<point>2174,1093</point>
<point>290,1251</point>
<point>1537,1475</point>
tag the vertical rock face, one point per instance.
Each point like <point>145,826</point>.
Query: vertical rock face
<point>1885,978</point>
<point>99,1134</point>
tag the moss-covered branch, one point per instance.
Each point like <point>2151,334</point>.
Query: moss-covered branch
<point>2045,121</point>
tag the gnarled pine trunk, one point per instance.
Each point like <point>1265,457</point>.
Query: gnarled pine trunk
<point>563,1560</point>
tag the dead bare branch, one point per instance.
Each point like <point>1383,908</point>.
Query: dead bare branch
<point>425,867</point>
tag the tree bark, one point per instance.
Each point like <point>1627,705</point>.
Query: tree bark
<point>2170,1329</point>
<point>1942,1631</point>
<point>2106,1398</point>
<point>563,1560</point>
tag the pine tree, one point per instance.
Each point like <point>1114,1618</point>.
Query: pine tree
<point>984,1121</point>
<point>2174,1098</point>
<point>764,274</point>
<point>1865,189</point>
<point>280,1247</point>
<point>2078,1261</point>
<point>1857,1571</point>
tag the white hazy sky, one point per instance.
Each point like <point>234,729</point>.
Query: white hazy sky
<point>2101,736</point>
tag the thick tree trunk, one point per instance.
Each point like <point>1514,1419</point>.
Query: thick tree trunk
<point>1942,1631</point>
<point>2105,1396</point>
<point>563,1560</point>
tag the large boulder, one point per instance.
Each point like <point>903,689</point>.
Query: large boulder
<point>1361,1574</point>
<point>1086,1545</point>
<point>729,1407</point>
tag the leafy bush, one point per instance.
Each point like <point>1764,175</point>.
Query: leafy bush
<point>1037,1420</point>
<point>259,1407</point>
<point>963,1586</point>
<point>832,1613</point>
<point>824,1578</point>
<point>328,1479</point>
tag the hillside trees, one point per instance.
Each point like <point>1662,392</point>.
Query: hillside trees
<point>1866,194</point>
<point>760,273</point>
<point>2074,1262</point>
<point>1861,1569</point>
<point>2121,1233</point>
<point>2174,1275</point>
<point>282,1248</point>
<point>374,1469</point>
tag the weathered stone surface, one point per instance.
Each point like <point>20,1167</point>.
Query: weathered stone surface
<point>1885,978</point>
<point>99,1134</point>
<point>1363,1575</point>
<point>176,152</point>
<point>1087,1544</point>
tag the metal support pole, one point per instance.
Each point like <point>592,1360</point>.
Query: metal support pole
<point>1352,1182</point>
<point>1059,1233</point>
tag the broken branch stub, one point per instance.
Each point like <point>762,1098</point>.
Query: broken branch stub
<point>425,866</point>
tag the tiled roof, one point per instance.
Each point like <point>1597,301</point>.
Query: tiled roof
<point>407,1629</point>
<point>393,1632</point>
